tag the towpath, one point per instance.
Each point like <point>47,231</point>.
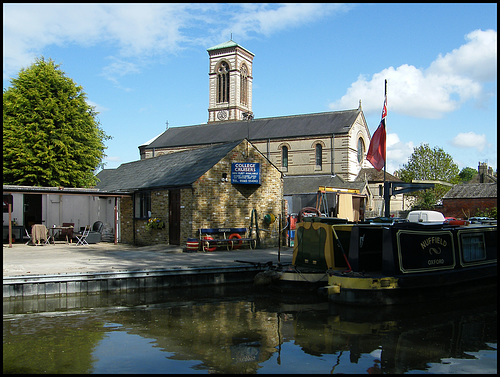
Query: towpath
<point>61,258</point>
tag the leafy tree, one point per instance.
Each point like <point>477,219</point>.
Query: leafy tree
<point>433,165</point>
<point>466,174</point>
<point>51,136</point>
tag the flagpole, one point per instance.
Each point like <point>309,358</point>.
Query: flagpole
<point>387,197</point>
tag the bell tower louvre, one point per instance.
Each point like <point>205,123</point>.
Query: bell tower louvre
<point>230,83</point>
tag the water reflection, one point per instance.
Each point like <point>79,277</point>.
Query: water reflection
<point>240,330</point>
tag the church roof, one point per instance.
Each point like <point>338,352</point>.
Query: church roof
<point>178,169</point>
<point>319,124</point>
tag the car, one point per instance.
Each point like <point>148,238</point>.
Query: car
<point>480,219</point>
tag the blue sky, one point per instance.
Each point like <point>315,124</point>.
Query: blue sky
<point>142,65</point>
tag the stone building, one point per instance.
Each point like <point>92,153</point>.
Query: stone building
<point>193,189</point>
<point>484,174</point>
<point>230,79</point>
<point>328,143</point>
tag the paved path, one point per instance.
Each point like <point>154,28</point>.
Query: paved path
<point>23,260</point>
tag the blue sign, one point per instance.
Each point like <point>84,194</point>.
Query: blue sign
<point>246,173</point>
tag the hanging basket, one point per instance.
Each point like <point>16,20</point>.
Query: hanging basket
<point>155,223</point>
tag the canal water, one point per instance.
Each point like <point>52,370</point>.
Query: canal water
<point>240,329</point>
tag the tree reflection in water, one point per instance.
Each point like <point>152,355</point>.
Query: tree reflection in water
<point>240,330</point>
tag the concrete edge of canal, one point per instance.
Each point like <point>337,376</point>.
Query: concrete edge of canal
<point>15,287</point>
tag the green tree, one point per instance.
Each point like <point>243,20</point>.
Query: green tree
<point>466,174</point>
<point>431,165</point>
<point>51,135</point>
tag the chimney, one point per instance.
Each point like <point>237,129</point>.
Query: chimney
<point>482,169</point>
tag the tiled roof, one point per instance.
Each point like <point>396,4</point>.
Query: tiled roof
<point>310,184</point>
<point>178,169</point>
<point>373,175</point>
<point>472,190</point>
<point>328,123</point>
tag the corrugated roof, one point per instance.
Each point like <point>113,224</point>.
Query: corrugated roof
<point>328,123</point>
<point>170,170</point>
<point>54,190</point>
<point>472,190</point>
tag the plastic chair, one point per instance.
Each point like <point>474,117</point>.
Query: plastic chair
<point>82,239</point>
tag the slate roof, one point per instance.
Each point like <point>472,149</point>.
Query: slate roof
<point>327,123</point>
<point>178,169</point>
<point>310,184</point>
<point>472,190</point>
<point>373,175</point>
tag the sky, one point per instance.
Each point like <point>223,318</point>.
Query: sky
<point>145,65</point>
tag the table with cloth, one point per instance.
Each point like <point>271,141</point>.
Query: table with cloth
<point>38,233</point>
<point>67,232</point>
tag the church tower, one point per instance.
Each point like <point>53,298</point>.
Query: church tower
<point>230,78</point>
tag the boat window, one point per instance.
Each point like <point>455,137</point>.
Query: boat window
<point>473,248</point>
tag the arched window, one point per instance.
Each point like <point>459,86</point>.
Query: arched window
<point>223,82</point>
<point>284,157</point>
<point>361,150</point>
<point>319,156</point>
<point>244,85</point>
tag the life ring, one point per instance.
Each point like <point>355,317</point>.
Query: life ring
<point>237,244</point>
<point>205,244</point>
<point>308,212</point>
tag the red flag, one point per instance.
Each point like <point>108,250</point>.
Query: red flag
<point>376,151</point>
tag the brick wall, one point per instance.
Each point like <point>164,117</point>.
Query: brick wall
<point>464,208</point>
<point>213,203</point>
<point>218,204</point>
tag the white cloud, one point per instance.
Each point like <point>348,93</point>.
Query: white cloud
<point>470,140</point>
<point>443,87</point>
<point>397,152</point>
<point>269,18</point>
<point>139,31</point>
<point>477,59</point>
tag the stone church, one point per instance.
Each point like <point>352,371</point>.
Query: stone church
<point>327,144</point>
<point>185,175</point>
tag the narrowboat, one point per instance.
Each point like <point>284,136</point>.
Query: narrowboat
<point>405,262</point>
<point>317,250</point>
<point>390,261</point>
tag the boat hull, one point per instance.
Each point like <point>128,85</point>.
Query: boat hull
<point>297,281</point>
<point>406,263</point>
<point>401,289</point>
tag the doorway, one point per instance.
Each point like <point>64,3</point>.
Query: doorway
<point>32,211</point>
<point>174,219</point>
